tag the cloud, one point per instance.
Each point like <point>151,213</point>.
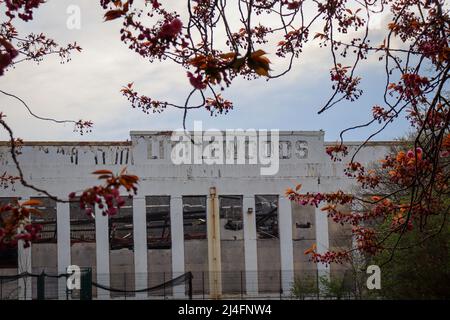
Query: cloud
<point>88,87</point>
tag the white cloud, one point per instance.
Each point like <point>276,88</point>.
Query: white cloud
<point>89,86</point>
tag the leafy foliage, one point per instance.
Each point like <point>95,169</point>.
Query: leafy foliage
<point>404,171</point>
<point>107,197</point>
<point>15,223</point>
<point>420,269</point>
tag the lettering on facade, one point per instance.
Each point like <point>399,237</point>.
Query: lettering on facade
<point>295,150</point>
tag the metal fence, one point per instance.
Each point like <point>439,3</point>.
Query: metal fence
<point>26,285</point>
<point>190,285</point>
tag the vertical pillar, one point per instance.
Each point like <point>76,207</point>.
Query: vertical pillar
<point>177,235</point>
<point>102,253</point>
<point>140,245</point>
<point>24,265</point>
<point>286,246</point>
<point>214,254</point>
<point>322,240</point>
<point>250,246</point>
<point>63,244</point>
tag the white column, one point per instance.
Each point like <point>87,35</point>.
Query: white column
<point>177,234</point>
<point>102,252</point>
<point>63,244</point>
<point>250,246</point>
<point>322,240</point>
<point>140,246</point>
<point>286,246</point>
<point>214,249</point>
<point>24,265</point>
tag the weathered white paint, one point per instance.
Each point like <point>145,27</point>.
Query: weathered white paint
<point>250,246</point>
<point>64,167</point>
<point>24,265</point>
<point>102,254</point>
<point>323,244</point>
<point>63,234</point>
<point>286,247</point>
<point>214,254</point>
<point>176,230</point>
<point>140,245</point>
<point>322,240</point>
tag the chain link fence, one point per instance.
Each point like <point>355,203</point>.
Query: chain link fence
<point>191,285</point>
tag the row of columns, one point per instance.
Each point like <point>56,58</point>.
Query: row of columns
<point>177,235</point>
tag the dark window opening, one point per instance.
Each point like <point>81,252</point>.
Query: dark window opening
<point>47,219</point>
<point>158,222</point>
<point>267,216</point>
<point>231,212</point>
<point>194,217</point>
<point>8,256</point>
<point>82,226</point>
<point>121,227</point>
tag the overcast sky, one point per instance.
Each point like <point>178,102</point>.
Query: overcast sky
<point>88,87</point>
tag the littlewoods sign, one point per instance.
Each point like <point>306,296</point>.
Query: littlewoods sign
<point>234,146</point>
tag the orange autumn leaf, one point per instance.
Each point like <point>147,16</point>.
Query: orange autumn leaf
<point>123,171</point>
<point>104,176</point>
<point>330,207</point>
<point>198,61</point>
<point>103,171</point>
<point>400,156</point>
<point>113,14</point>
<point>310,250</point>
<point>32,202</point>
<point>289,191</point>
<point>130,179</point>
<point>259,63</point>
<point>228,56</point>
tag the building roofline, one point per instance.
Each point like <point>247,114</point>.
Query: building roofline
<point>281,132</point>
<point>128,143</point>
<point>369,143</point>
<point>70,143</point>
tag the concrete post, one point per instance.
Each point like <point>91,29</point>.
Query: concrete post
<point>63,244</point>
<point>102,253</point>
<point>214,254</point>
<point>323,270</point>
<point>286,246</point>
<point>24,265</point>
<point>177,235</point>
<point>250,245</point>
<point>140,246</point>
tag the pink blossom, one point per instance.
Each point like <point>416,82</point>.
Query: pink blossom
<point>170,30</point>
<point>196,81</point>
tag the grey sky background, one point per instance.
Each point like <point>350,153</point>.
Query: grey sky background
<point>88,87</point>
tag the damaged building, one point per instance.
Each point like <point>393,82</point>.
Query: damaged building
<point>231,227</point>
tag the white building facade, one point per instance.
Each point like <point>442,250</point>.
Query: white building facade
<point>232,227</point>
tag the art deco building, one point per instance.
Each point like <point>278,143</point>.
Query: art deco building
<point>232,227</point>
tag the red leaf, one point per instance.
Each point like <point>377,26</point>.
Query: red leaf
<point>113,14</point>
